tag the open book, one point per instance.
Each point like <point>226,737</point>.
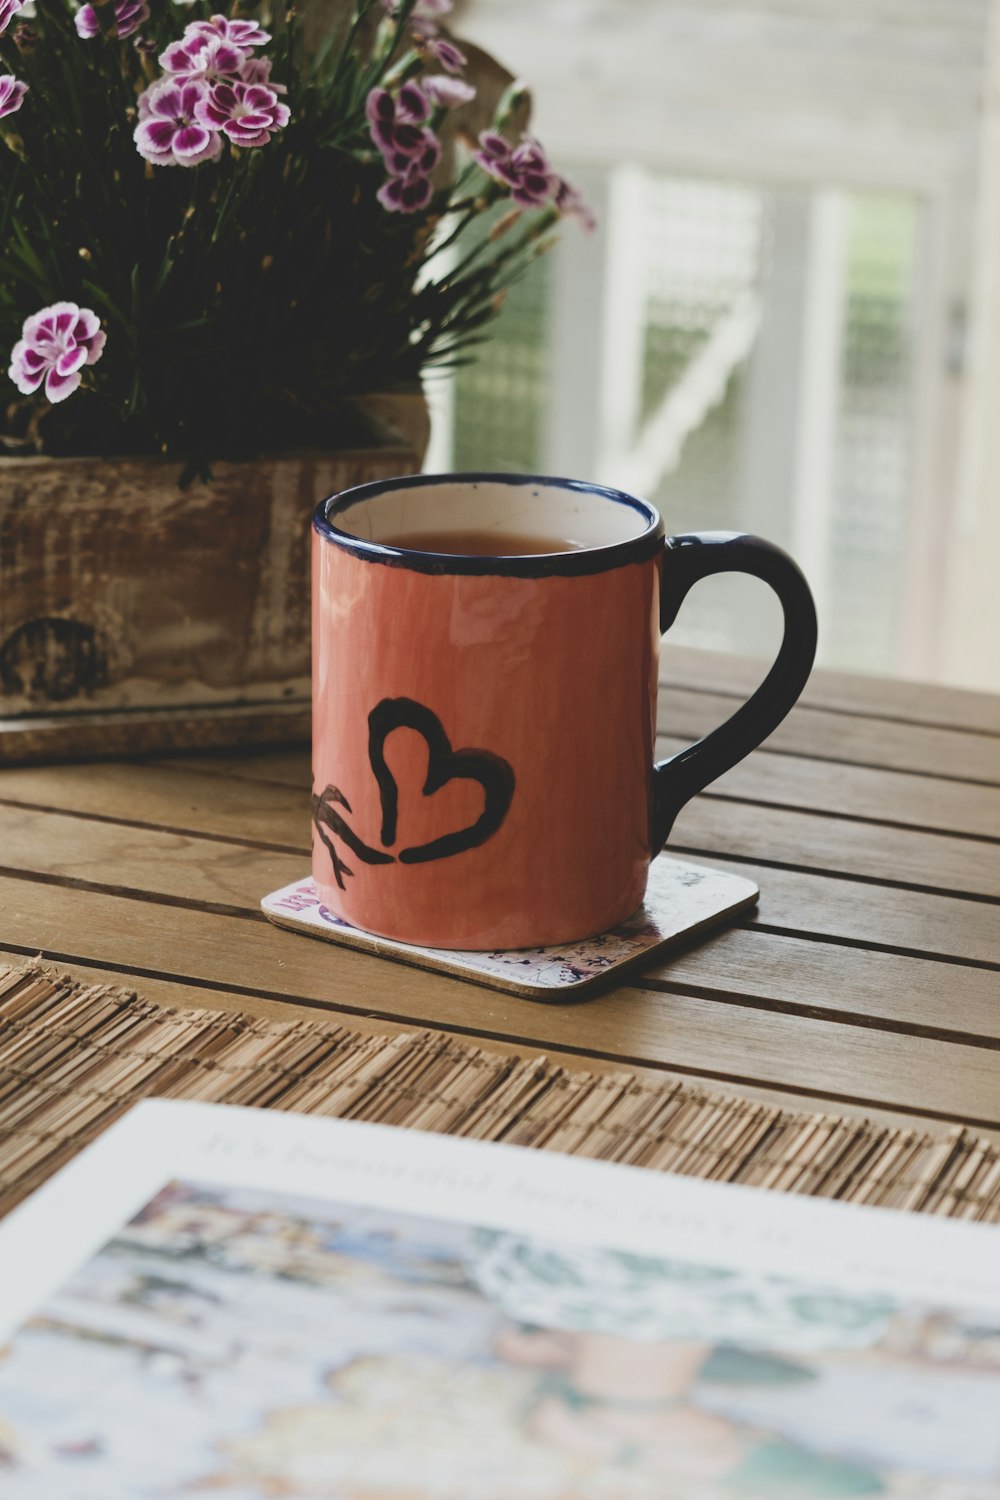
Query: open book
<point>218,1302</point>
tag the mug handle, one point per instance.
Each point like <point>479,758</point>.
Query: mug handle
<point>688,558</point>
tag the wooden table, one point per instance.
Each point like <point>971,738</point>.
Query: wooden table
<point>868,978</point>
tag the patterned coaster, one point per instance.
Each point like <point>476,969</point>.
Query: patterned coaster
<point>681,900</point>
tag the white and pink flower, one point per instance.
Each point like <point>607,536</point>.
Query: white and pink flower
<point>245,112</point>
<point>571,204</point>
<point>8,10</point>
<point>424,10</point>
<point>170,132</point>
<point>201,57</point>
<point>407,192</point>
<point>258,70</point>
<point>445,91</point>
<point>525,169</point>
<point>55,345</point>
<point>440,50</point>
<point>243,34</point>
<point>129,16</point>
<point>12,92</point>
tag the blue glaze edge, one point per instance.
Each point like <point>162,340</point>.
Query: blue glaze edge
<point>579,563</point>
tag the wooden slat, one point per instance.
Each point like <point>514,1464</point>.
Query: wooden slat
<point>786,780</point>
<point>687,1034</point>
<point>260,813</point>
<point>103,735</point>
<point>289,765</point>
<point>176,866</point>
<point>823,978</point>
<point>949,753</point>
<point>798,902</point>
<point>270,814</point>
<point>846,692</point>
<point>858,792</point>
<point>929,861</point>
<point>526,1109</point>
<point>217,872</point>
<point>171,992</point>
<point>752,965</point>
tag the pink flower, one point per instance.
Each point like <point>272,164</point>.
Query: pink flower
<point>438,49</point>
<point>407,192</point>
<point>243,34</point>
<point>129,16</point>
<point>12,92</point>
<point>57,342</point>
<point>397,128</point>
<point>8,10</point>
<point>524,169</point>
<point>447,91</point>
<point>258,70</point>
<point>170,132</point>
<point>424,10</point>
<point>201,57</point>
<point>571,204</point>
<point>247,112</point>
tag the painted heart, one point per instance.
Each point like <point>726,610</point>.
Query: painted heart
<point>329,821</point>
<point>444,764</point>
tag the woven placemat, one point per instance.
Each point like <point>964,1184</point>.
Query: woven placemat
<point>74,1057</point>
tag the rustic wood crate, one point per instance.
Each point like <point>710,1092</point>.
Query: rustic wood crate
<point>135,615</point>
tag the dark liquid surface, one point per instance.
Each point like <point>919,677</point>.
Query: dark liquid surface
<point>480,543</point>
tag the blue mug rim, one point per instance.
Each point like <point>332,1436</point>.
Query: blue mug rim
<point>581,561</point>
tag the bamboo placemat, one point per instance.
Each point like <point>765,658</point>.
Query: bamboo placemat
<point>73,1058</point>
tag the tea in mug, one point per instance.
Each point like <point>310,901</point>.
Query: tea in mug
<point>480,543</point>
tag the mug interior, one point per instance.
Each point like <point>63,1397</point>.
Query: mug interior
<point>583,515</point>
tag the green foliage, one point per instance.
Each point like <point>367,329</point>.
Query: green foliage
<point>243,299</point>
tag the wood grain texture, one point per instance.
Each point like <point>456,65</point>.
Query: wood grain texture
<point>854,739</point>
<point>109,735</point>
<point>124,595</point>
<point>171,992</point>
<point>750,966</point>
<point>275,815</point>
<point>684,1032</point>
<point>217,871</point>
<point>887,856</point>
<point>869,976</point>
<point>847,791</point>
<point>787,780</point>
<point>83,1054</point>
<point>845,692</point>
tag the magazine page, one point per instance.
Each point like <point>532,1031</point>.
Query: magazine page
<point>218,1301</point>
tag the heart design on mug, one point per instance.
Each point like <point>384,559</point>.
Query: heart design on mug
<point>492,772</point>
<point>444,765</point>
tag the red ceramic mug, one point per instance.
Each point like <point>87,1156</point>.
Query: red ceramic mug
<point>484,724</point>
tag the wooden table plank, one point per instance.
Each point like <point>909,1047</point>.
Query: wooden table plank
<point>784,780</point>
<point>810,841</point>
<point>876,796</point>
<point>750,964</point>
<point>216,872</point>
<point>869,976</point>
<point>931,751</point>
<point>846,692</point>
<point>146,796</point>
<point>684,1033</point>
<point>274,816</point>
<point>170,992</point>
<point>801,904</point>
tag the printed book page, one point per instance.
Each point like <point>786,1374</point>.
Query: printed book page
<point>213,1301</point>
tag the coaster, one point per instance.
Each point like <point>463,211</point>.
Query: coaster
<point>681,900</point>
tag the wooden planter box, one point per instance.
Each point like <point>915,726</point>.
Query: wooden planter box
<point>138,616</point>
